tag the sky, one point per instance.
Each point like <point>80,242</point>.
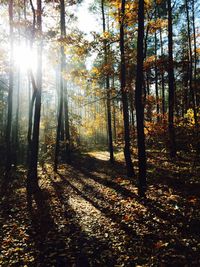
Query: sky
<point>87,21</point>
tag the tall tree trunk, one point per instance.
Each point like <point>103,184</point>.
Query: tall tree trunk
<point>108,104</point>
<point>32,178</point>
<point>114,110</point>
<point>67,127</point>
<point>172,142</point>
<point>63,101</point>
<point>162,75</point>
<point>156,79</point>
<point>156,68</point>
<point>17,121</point>
<point>10,91</point>
<point>17,102</point>
<point>58,132</point>
<point>197,96</point>
<point>139,102</point>
<point>34,88</point>
<point>145,74</point>
<point>127,151</point>
<point>191,88</point>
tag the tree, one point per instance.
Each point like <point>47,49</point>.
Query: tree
<point>63,102</point>
<point>156,68</point>
<point>108,104</point>
<point>139,102</point>
<point>190,63</point>
<point>10,91</point>
<point>32,177</point>
<point>172,142</point>
<point>127,151</point>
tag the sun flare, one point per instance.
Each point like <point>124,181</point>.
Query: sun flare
<point>25,58</point>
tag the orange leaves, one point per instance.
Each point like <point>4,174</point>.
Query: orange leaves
<point>128,218</point>
<point>160,244</point>
<point>192,199</point>
<point>198,51</point>
<point>130,11</point>
<point>119,180</point>
<point>157,24</point>
<point>149,61</point>
<point>106,35</point>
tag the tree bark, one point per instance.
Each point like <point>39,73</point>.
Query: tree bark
<point>172,142</point>
<point>127,151</point>
<point>139,102</point>
<point>162,76</point>
<point>156,79</point>
<point>191,88</point>
<point>197,96</point>
<point>32,178</point>
<point>63,101</point>
<point>10,92</point>
<point>108,104</point>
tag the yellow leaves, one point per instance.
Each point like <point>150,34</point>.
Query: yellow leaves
<point>149,61</point>
<point>157,24</point>
<point>189,117</point>
<point>95,72</point>
<point>198,50</point>
<point>116,3</point>
<point>148,4</point>
<point>130,11</point>
<point>161,244</point>
<point>106,35</point>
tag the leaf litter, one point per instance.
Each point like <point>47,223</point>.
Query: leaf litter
<point>94,217</point>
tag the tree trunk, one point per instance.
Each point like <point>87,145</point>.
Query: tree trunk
<point>139,102</point>
<point>67,128</point>
<point>197,96</point>
<point>63,101</point>
<point>127,151</point>
<point>10,92</point>
<point>145,74</point>
<point>32,178</point>
<point>108,104</point>
<point>172,142</point>
<point>162,75</point>
<point>114,111</point>
<point>191,88</point>
<point>156,79</point>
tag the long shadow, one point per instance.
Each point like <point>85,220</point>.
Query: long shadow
<point>6,190</point>
<point>42,224</point>
<point>107,211</point>
<point>91,163</point>
<point>88,165</point>
<point>177,176</point>
<point>147,239</point>
<point>180,181</point>
<point>87,250</point>
<point>154,207</point>
<point>69,246</point>
<point>106,208</point>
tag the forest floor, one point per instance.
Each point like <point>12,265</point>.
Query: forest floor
<point>92,216</point>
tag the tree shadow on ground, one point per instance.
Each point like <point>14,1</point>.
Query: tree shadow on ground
<point>85,249</point>
<point>59,237</point>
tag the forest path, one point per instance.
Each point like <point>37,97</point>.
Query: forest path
<point>92,216</point>
<point>88,198</point>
